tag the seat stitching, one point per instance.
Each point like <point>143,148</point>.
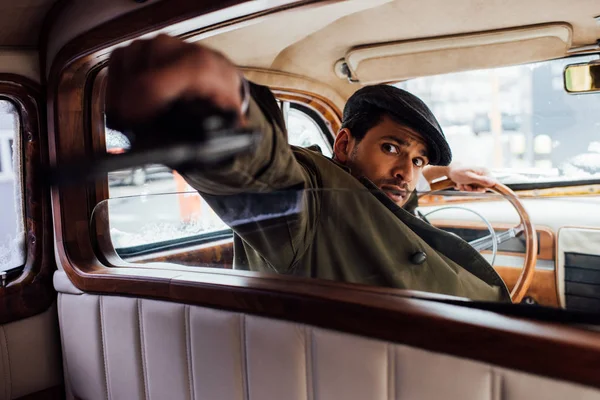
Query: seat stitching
<point>8,375</point>
<point>243,349</point>
<point>188,349</point>
<point>309,365</point>
<point>142,352</point>
<point>103,344</point>
<point>62,342</point>
<point>500,382</point>
<point>496,385</point>
<point>493,385</point>
<point>391,368</point>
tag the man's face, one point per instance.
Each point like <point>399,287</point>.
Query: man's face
<point>390,155</point>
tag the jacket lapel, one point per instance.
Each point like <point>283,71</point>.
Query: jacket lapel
<point>451,246</point>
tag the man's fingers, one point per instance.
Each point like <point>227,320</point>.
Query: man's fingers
<point>470,188</point>
<point>169,70</point>
<point>486,181</point>
<point>153,90</point>
<point>165,49</point>
<point>135,58</point>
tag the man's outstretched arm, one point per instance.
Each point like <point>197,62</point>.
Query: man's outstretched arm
<point>147,76</point>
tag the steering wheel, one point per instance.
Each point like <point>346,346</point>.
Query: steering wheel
<point>483,243</point>
<point>524,227</point>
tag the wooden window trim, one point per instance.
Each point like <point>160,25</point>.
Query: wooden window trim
<point>31,293</point>
<point>398,316</point>
<point>325,108</point>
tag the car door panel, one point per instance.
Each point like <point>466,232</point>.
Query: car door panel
<point>30,364</point>
<point>30,356</point>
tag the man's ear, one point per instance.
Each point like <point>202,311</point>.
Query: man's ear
<point>341,146</point>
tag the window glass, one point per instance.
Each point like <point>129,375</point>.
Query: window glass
<point>173,217</point>
<point>303,131</point>
<point>517,121</point>
<point>177,211</point>
<point>12,231</point>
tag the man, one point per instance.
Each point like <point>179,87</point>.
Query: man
<point>293,210</point>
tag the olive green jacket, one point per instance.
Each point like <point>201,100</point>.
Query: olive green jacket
<point>297,212</point>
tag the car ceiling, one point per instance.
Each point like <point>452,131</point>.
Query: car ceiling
<point>21,21</point>
<point>309,41</point>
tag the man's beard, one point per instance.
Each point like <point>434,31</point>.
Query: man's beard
<point>358,173</point>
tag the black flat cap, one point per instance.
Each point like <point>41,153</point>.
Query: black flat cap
<point>407,109</point>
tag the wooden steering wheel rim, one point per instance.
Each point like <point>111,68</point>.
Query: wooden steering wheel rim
<point>531,240</point>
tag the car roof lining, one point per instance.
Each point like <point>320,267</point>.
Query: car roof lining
<point>308,41</point>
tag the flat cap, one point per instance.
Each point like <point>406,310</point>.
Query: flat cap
<point>406,108</point>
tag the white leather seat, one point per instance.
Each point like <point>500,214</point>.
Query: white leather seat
<point>128,348</point>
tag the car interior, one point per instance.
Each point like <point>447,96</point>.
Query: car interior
<point>124,286</point>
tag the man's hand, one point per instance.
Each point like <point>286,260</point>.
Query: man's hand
<point>148,75</point>
<point>470,179</point>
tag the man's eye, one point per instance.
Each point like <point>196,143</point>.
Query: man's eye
<point>418,162</point>
<point>390,148</point>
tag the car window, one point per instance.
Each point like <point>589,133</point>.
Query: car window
<point>184,216</point>
<point>517,121</point>
<point>12,230</point>
<point>305,131</point>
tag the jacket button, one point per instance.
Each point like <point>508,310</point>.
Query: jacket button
<point>418,258</point>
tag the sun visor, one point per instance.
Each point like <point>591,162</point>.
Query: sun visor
<point>395,61</point>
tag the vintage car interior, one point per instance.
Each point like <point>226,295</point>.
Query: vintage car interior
<point>124,288</point>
